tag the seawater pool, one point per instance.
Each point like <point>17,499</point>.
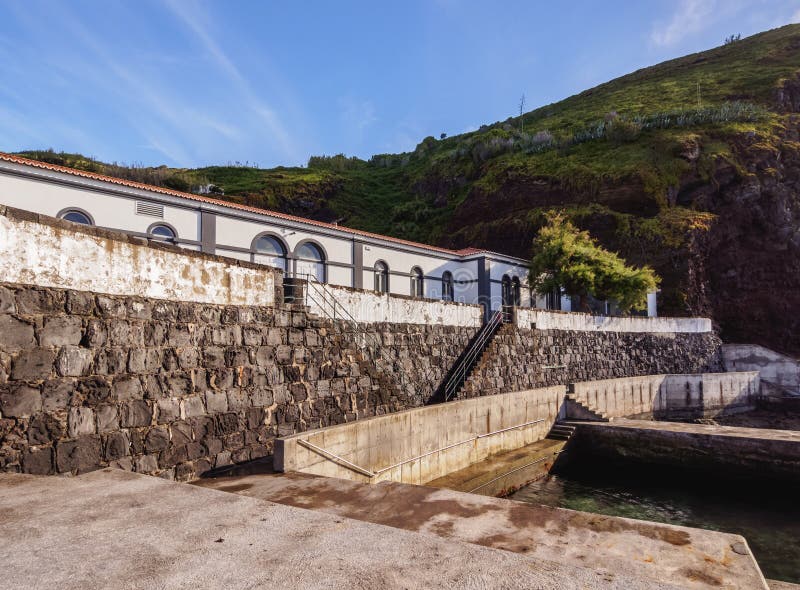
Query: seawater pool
<point>765,512</point>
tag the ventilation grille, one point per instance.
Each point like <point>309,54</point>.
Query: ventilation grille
<point>150,210</point>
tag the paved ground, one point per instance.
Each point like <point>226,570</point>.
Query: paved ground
<point>690,558</point>
<point>113,529</point>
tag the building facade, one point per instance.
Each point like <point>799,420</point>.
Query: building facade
<point>302,248</point>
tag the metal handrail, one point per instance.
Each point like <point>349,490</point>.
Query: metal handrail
<point>459,375</point>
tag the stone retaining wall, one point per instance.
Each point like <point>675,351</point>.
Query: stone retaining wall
<point>175,389</point>
<point>520,359</point>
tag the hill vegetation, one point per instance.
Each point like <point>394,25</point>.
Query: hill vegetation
<point>652,164</point>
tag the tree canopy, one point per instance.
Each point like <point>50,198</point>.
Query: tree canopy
<point>567,257</point>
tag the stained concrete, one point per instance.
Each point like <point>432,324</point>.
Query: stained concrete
<point>689,558</point>
<point>114,529</point>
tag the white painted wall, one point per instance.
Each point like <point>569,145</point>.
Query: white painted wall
<point>369,307</point>
<point>108,210</point>
<point>582,322</point>
<point>41,254</point>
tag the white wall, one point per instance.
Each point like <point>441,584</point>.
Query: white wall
<point>433,266</point>
<point>72,258</point>
<point>108,210</point>
<point>369,306</point>
<point>582,322</point>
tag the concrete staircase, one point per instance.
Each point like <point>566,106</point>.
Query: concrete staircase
<point>579,410</point>
<point>561,431</point>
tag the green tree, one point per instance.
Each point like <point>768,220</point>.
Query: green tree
<point>567,257</point>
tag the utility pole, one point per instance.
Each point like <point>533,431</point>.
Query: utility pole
<point>521,111</point>
<point>699,102</point>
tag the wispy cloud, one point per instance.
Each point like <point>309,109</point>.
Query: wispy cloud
<point>690,17</point>
<point>795,18</point>
<point>357,114</point>
<point>191,14</point>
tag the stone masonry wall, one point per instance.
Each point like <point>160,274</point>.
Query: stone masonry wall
<point>519,359</point>
<point>176,388</point>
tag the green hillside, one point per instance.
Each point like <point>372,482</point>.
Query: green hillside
<point>640,162</point>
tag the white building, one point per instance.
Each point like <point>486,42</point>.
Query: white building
<point>301,247</point>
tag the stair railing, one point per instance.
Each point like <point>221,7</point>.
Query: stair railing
<point>325,299</point>
<point>482,339</point>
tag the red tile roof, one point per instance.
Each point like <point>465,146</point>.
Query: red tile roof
<point>165,191</point>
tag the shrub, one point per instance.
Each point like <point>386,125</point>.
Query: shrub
<point>621,130</point>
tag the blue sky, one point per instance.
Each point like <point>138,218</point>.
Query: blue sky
<point>192,83</point>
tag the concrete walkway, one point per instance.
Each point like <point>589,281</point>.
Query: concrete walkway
<point>690,558</point>
<point>114,529</point>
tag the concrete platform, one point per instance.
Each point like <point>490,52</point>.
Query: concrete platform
<point>703,447</point>
<point>686,557</point>
<point>114,529</point>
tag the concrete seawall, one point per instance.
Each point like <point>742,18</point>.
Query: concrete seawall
<point>675,397</point>
<point>423,444</point>
<point>709,449</point>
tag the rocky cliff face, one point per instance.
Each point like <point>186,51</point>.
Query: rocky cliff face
<point>734,254</point>
<point>750,258</point>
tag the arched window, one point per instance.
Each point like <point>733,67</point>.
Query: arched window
<point>269,250</point>
<point>506,294</point>
<point>417,282</point>
<point>516,291</point>
<point>162,230</point>
<point>310,261</point>
<point>76,216</point>
<point>381,277</point>
<point>448,292</point>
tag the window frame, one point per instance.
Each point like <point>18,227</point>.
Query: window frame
<point>381,276</point>
<point>417,277</point>
<point>66,211</point>
<point>448,286</point>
